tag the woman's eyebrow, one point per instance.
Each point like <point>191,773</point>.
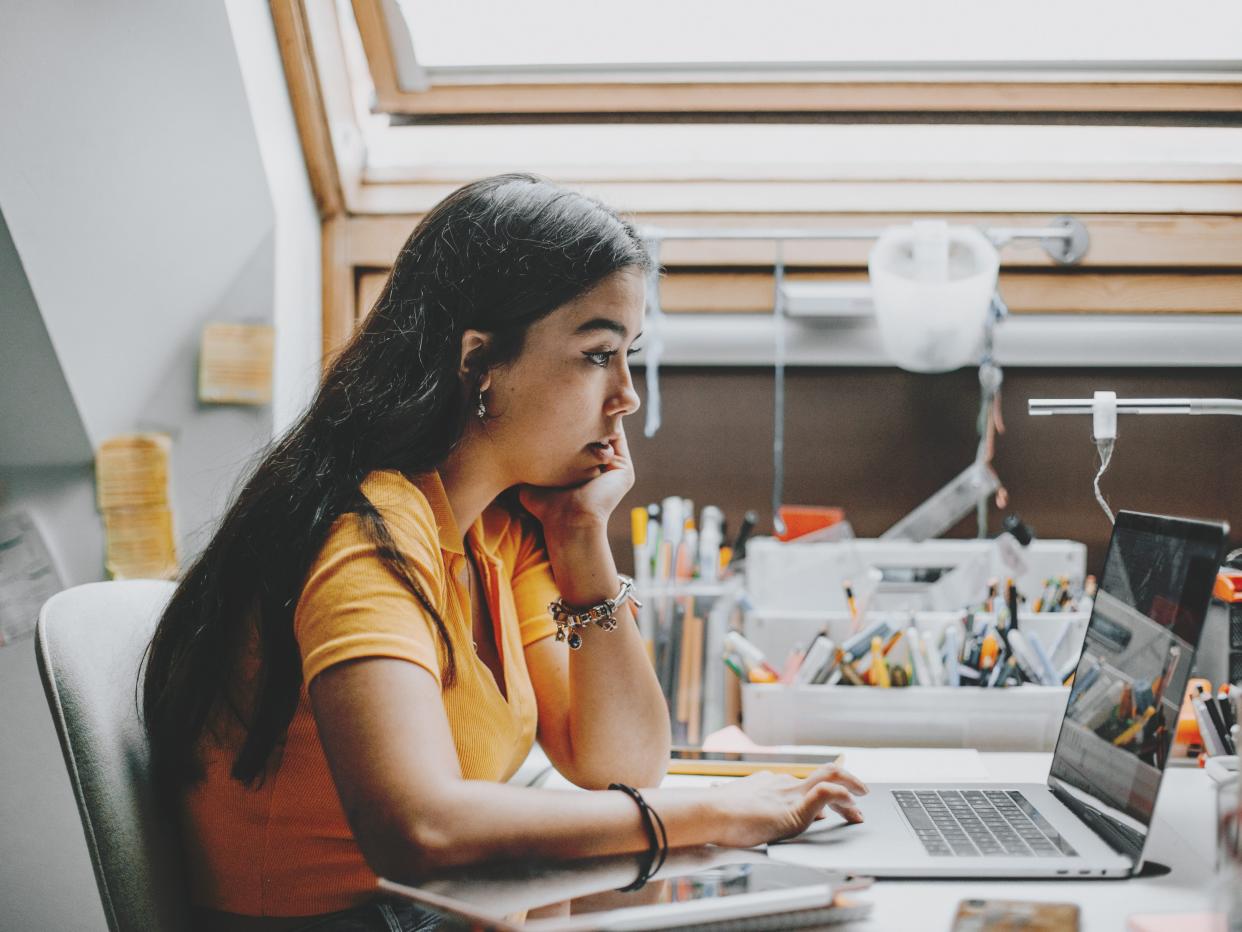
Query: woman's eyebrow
<point>602,323</point>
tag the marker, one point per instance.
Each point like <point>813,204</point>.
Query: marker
<point>879,666</point>
<point>848,673</point>
<point>931,656</point>
<point>1132,732</point>
<point>1038,606</point>
<point>817,656</point>
<point>989,652</point>
<point>638,539</point>
<point>952,674</point>
<point>1011,594</point>
<point>757,667</point>
<point>749,520</point>
<point>711,536</point>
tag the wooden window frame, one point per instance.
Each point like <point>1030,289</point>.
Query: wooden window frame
<point>777,91</point>
<point>1162,241</point>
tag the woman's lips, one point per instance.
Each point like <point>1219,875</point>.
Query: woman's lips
<point>601,451</point>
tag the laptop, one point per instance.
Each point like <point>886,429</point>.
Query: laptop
<point>1091,817</point>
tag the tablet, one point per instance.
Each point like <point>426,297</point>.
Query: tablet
<point>699,887</point>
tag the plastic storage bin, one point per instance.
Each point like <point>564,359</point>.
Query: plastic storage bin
<point>1023,718</point>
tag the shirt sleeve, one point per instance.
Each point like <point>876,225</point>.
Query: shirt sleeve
<point>353,606</point>
<point>534,587</point>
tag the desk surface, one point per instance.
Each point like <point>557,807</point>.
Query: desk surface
<point>1182,837</point>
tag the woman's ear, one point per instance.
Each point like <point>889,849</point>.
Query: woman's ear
<point>474,348</point>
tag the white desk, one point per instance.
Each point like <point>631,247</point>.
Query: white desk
<point>1182,837</point>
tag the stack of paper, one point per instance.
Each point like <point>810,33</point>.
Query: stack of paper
<point>235,364</point>
<point>131,479</point>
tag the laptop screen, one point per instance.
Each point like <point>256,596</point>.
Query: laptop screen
<point>1131,676</point>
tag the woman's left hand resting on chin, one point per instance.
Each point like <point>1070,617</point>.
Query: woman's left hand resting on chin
<point>587,506</point>
<point>602,716</point>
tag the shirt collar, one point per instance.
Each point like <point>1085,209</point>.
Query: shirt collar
<point>451,539</point>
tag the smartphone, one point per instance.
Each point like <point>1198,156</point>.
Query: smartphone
<point>1014,916</point>
<point>741,763</point>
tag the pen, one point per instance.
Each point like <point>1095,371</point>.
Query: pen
<point>849,601</point>
<point>1012,597</point>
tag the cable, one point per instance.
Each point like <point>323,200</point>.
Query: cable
<point>654,341</point>
<point>1105,448</point>
<point>1104,431</point>
<point>778,433</point>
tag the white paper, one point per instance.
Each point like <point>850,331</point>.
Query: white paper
<point>28,577</point>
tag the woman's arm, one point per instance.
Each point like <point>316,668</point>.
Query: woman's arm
<point>602,716</point>
<point>387,740</point>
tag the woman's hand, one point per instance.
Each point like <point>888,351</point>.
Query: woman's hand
<point>767,806</point>
<point>586,506</point>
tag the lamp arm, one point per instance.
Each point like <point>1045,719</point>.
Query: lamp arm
<point>1041,406</point>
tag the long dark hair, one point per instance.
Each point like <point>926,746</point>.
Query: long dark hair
<point>496,256</point>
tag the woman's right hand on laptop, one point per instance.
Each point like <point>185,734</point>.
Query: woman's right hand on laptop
<point>766,807</point>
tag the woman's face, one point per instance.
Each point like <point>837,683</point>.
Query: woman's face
<point>554,412</point>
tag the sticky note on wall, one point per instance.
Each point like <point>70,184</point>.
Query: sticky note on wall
<point>235,364</point>
<point>132,489</point>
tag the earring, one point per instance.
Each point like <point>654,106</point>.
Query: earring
<point>481,410</point>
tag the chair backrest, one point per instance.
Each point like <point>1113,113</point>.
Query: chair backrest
<point>90,643</point>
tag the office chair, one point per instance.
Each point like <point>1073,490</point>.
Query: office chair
<point>90,642</point>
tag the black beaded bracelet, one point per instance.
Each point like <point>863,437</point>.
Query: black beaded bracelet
<point>657,843</point>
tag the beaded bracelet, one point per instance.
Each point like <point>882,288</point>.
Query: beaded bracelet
<point>571,621</point>
<point>657,849</point>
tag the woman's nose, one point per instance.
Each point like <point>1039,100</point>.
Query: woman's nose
<point>625,400</point>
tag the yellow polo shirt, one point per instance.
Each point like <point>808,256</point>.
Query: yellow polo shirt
<point>285,848</point>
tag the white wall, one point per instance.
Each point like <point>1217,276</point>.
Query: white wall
<point>150,181</point>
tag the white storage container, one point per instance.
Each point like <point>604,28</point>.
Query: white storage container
<point>778,632</point>
<point>1022,718</point>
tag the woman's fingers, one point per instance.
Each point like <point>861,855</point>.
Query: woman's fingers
<point>835,774</point>
<point>835,797</point>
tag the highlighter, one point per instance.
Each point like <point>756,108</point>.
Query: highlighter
<point>879,666</point>
<point>988,652</point>
<point>638,538</point>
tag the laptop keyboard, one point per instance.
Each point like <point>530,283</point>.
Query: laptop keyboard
<point>980,823</point>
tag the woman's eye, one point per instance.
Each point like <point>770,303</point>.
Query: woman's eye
<point>602,358</point>
<point>632,350</point>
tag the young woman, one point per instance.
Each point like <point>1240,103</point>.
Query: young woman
<point>364,653</point>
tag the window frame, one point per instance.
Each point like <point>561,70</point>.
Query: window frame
<point>1165,240</point>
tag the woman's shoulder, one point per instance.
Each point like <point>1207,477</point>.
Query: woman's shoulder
<point>402,505</point>
<point>389,490</point>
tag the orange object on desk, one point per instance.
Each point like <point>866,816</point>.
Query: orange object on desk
<point>803,519</point>
<point>1187,734</point>
<point>1228,586</point>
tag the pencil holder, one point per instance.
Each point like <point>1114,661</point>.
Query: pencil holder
<point>684,626</point>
